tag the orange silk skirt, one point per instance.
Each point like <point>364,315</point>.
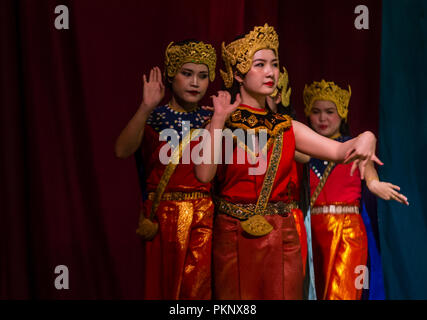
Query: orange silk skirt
<point>178,260</point>
<point>339,245</point>
<point>257,268</point>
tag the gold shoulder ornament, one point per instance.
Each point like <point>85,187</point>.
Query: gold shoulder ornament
<point>282,88</point>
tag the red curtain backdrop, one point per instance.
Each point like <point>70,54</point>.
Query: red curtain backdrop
<point>66,95</point>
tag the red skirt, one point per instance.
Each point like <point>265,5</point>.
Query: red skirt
<point>178,260</point>
<point>257,268</point>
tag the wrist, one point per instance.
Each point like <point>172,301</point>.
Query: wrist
<point>145,108</point>
<point>218,120</point>
<point>371,181</point>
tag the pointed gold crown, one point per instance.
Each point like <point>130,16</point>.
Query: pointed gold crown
<point>327,91</point>
<point>192,52</point>
<point>239,53</point>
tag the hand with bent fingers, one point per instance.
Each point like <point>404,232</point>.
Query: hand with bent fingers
<point>386,191</point>
<point>153,90</point>
<point>362,151</point>
<point>223,107</point>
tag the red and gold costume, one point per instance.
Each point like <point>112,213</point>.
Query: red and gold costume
<point>178,258</point>
<point>339,236</point>
<point>257,247</point>
<point>270,266</point>
<point>338,232</point>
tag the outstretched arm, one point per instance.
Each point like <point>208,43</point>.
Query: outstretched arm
<point>223,108</point>
<point>131,136</point>
<point>384,190</point>
<point>358,149</point>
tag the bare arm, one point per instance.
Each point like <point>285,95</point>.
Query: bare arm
<point>131,136</point>
<point>358,149</point>
<point>205,172</point>
<point>384,190</point>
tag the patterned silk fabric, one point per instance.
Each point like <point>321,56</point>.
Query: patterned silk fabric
<point>339,239</point>
<point>178,260</point>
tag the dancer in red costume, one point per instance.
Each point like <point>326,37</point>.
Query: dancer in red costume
<point>340,242</point>
<point>176,219</point>
<point>257,251</point>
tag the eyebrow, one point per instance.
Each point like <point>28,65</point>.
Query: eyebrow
<point>190,70</point>
<point>263,60</point>
<point>328,109</point>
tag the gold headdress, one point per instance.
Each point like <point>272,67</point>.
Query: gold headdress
<point>327,91</point>
<point>192,52</point>
<point>239,53</point>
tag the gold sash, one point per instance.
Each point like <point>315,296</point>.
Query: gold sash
<point>147,229</point>
<point>256,224</point>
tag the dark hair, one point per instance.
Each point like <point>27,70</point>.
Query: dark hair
<point>235,87</point>
<point>289,110</point>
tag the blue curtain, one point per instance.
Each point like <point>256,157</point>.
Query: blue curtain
<point>403,147</point>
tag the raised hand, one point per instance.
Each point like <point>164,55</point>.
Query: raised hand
<point>223,107</point>
<point>153,90</point>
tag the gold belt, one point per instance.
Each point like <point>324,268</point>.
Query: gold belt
<point>180,196</point>
<point>243,211</point>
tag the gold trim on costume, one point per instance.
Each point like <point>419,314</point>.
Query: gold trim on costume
<point>255,224</point>
<point>321,183</point>
<point>253,110</point>
<point>180,196</point>
<point>243,211</point>
<point>273,123</point>
<point>183,111</point>
<point>147,229</point>
<point>270,175</point>
<point>169,170</point>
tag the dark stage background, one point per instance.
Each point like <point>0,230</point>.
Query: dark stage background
<point>66,95</point>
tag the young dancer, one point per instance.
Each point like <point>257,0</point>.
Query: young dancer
<point>176,219</point>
